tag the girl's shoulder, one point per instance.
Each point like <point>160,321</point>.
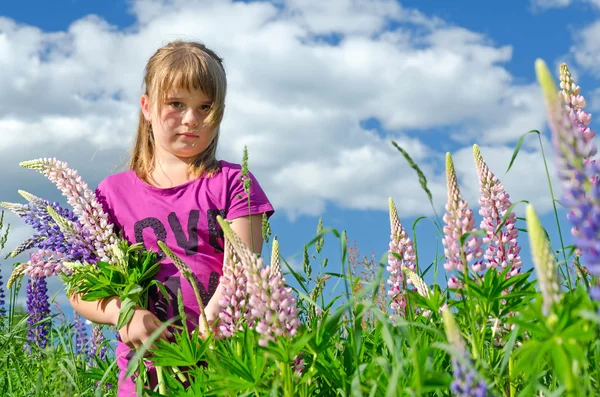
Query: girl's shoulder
<point>118,180</point>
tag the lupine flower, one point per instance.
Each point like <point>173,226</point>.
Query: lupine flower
<point>271,303</point>
<point>401,245</point>
<point>464,383</point>
<point>84,202</point>
<point>16,274</point>
<point>503,249</point>
<point>459,220</point>
<point>578,175</point>
<point>45,263</point>
<point>543,260</point>
<point>575,102</point>
<point>42,215</point>
<point>2,302</point>
<point>81,336</point>
<point>38,309</point>
<point>234,294</point>
<point>97,349</point>
<point>275,259</point>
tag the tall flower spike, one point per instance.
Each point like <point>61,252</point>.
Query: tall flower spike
<point>16,274</point>
<point>579,176</point>
<point>418,282</point>
<point>38,310</point>
<point>275,259</point>
<point>543,260</point>
<point>401,245</point>
<point>575,102</point>
<point>464,383</point>
<point>84,202</point>
<point>187,273</point>
<point>271,303</point>
<point>234,295</point>
<point>503,249</point>
<point>96,343</point>
<point>2,302</point>
<point>459,220</point>
<point>80,334</point>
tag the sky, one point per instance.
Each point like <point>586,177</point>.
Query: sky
<point>318,90</point>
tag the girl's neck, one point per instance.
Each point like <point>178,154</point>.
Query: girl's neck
<point>170,172</point>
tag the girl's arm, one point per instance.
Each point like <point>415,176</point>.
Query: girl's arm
<point>105,311</point>
<point>249,230</point>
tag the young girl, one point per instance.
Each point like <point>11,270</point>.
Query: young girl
<point>174,190</point>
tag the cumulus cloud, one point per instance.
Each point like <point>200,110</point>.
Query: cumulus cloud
<point>303,75</point>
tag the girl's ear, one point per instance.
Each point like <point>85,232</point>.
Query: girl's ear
<point>145,105</point>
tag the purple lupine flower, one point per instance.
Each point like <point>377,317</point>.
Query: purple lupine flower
<point>74,244</point>
<point>38,309</point>
<point>459,220</point>
<point>402,245</point>
<point>579,175</point>
<point>96,346</point>
<point>80,333</point>
<point>2,302</point>
<point>85,204</point>
<point>464,383</point>
<point>503,249</point>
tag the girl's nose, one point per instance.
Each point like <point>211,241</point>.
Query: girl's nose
<point>191,118</point>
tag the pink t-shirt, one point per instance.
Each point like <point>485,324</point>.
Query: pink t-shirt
<point>185,217</point>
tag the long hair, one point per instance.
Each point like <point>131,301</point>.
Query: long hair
<point>181,65</point>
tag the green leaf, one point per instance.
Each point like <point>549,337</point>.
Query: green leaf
<point>126,313</point>
<point>517,148</point>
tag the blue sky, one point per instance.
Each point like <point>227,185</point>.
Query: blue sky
<point>490,46</point>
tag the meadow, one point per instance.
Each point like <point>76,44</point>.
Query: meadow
<point>491,329</point>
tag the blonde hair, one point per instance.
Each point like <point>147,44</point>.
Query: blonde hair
<point>183,65</point>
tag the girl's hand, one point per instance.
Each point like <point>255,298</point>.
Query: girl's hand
<point>212,322</point>
<point>137,332</point>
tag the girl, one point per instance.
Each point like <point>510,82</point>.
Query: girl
<point>174,190</point>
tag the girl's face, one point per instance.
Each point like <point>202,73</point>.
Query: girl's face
<point>179,128</point>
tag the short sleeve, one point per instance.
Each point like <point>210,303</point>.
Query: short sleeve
<point>238,199</point>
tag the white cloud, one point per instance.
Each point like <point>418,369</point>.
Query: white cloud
<point>586,49</point>
<point>295,98</point>
<point>548,4</point>
<point>543,4</point>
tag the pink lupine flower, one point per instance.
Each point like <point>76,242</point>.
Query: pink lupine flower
<point>270,307</point>
<point>272,304</point>
<point>575,102</point>
<point>44,263</point>
<point>459,220</point>
<point>83,200</point>
<point>234,295</point>
<point>503,249</point>
<point>401,245</point>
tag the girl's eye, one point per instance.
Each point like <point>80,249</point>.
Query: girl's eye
<point>205,108</point>
<point>177,105</point>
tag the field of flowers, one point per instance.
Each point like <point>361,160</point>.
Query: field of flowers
<point>493,330</point>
